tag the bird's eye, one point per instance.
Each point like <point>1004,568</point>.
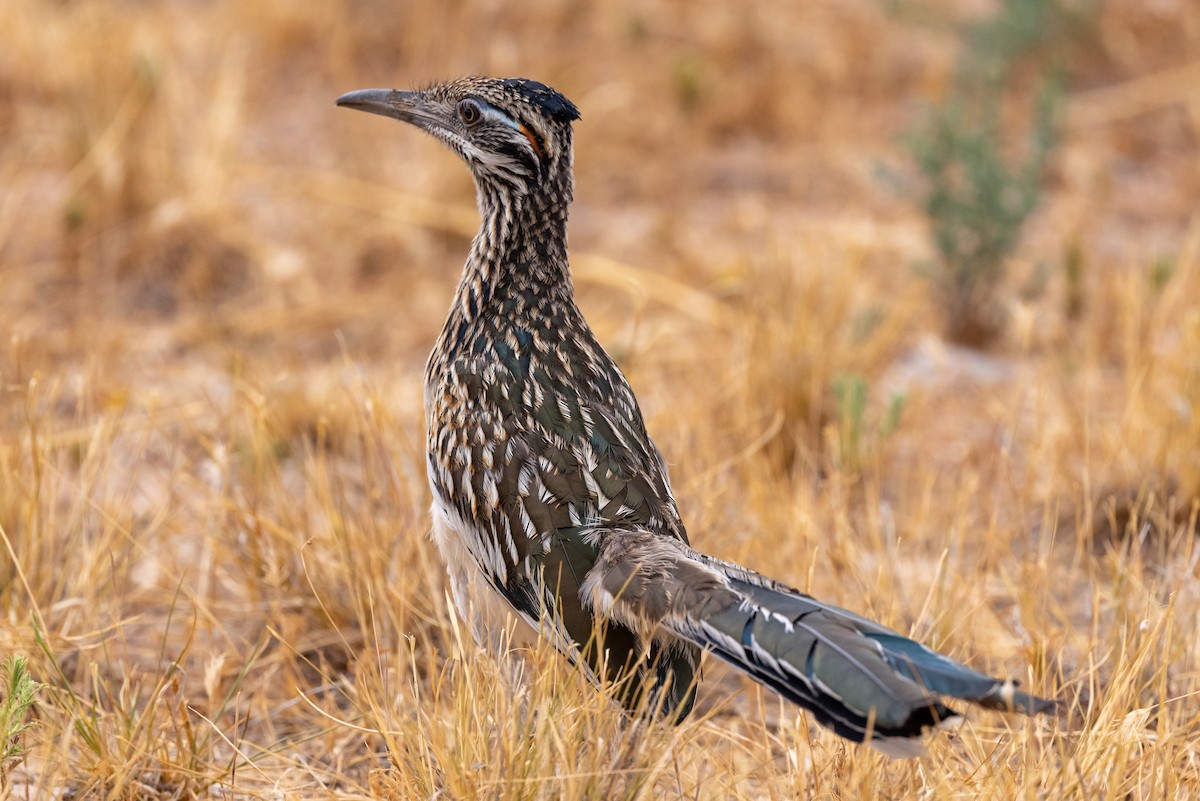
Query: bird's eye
<point>469,112</point>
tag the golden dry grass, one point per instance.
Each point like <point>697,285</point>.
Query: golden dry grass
<point>218,293</point>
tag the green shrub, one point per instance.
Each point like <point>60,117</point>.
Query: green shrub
<point>976,194</point>
<point>20,691</point>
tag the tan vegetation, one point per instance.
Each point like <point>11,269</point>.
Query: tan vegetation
<point>216,296</point>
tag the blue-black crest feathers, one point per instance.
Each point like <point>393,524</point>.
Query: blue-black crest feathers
<point>548,101</point>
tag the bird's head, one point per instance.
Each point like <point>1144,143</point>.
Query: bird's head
<point>514,134</point>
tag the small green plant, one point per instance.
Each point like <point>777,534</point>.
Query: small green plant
<point>976,195</point>
<point>850,393</point>
<point>855,440</point>
<point>20,691</point>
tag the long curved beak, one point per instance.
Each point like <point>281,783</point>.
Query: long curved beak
<point>410,107</point>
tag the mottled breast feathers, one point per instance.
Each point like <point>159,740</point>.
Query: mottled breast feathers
<point>534,439</point>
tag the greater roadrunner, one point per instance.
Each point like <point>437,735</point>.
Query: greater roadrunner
<point>547,488</point>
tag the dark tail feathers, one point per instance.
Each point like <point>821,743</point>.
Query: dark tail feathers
<point>864,681</point>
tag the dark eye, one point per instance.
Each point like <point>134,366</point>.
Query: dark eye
<point>469,112</point>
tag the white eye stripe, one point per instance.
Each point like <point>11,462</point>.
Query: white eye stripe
<point>492,113</point>
<point>499,116</point>
<point>472,112</point>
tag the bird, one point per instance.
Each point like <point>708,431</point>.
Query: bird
<point>550,497</point>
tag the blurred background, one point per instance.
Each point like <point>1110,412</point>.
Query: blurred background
<point>908,291</point>
<point>164,160</point>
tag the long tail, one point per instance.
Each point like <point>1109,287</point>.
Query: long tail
<point>860,679</point>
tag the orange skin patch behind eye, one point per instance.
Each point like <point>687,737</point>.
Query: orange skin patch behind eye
<point>532,139</point>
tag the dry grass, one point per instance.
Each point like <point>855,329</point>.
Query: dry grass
<point>218,292</point>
